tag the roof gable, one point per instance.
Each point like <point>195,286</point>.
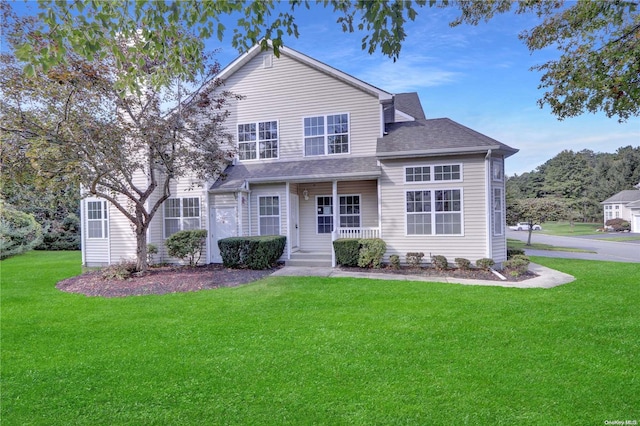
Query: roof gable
<point>243,59</point>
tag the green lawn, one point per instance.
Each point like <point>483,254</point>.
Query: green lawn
<point>522,245</point>
<point>300,351</point>
<point>565,228</point>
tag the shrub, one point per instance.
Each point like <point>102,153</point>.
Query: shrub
<point>152,250</point>
<point>517,265</point>
<point>19,231</point>
<point>394,259</point>
<point>57,235</point>
<point>414,259</point>
<point>371,252</point>
<point>485,263</point>
<point>618,224</point>
<point>439,262</point>
<point>347,251</point>
<point>463,263</point>
<point>251,252</point>
<point>514,252</point>
<point>119,271</point>
<point>187,245</point>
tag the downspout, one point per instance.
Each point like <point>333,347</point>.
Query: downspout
<point>249,207</point>
<point>489,197</point>
<point>336,221</point>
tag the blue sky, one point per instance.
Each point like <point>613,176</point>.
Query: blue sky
<point>476,75</point>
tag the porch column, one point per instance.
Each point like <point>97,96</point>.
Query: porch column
<point>336,220</point>
<point>288,210</point>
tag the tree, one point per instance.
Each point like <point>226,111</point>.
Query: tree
<point>598,68</point>
<point>19,231</point>
<point>125,148</point>
<point>91,30</point>
<point>536,211</point>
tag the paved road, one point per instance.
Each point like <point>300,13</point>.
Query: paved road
<point>606,250</point>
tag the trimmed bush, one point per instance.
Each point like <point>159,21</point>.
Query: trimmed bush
<point>463,263</point>
<point>19,231</point>
<point>514,252</point>
<point>394,259</point>
<point>517,265</point>
<point>414,259</point>
<point>439,262</point>
<point>485,263</point>
<point>119,271</point>
<point>371,252</point>
<point>618,224</point>
<point>252,252</point>
<point>347,251</point>
<point>187,245</point>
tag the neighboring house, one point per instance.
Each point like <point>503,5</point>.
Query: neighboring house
<point>626,205</point>
<point>323,155</point>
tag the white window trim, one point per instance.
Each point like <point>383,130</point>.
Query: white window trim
<point>257,123</point>
<point>502,210</point>
<point>164,216</point>
<point>359,214</point>
<point>497,165</point>
<point>432,174</point>
<point>104,220</point>
<point>433,211</point>
<point>279,216</point>
<point>325,136</point>
<point>316,214</point>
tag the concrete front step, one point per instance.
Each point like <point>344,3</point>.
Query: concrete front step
<point>309,259</point>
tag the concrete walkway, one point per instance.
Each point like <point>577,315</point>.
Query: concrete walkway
<point>547,278</point>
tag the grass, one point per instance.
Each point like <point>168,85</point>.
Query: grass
<point>621,239</point>
<point>517,244</point>
<point>565,228</point>
<point>293,350</point>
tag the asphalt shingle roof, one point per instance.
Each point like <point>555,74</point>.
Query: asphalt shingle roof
<point>409,103</point>
<point>626,196</point>
<point>304,170</point>
<point>435,136</point>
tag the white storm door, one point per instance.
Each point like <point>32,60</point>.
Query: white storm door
<point>224,224</point>
<point>294,232</point>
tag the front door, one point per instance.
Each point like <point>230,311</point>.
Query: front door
<point>294,232</point>
<point>224,224</point>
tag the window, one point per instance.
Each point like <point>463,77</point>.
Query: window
<point>258,140</point>
<point>325,214</point>
<point>432,212</point>
<point>326,134</point>
<point>269,215</point>
<point>350,211</point>
<point>496,170</point>
<point>96,219</point>
<point>498,215</point>
<point>181,214</point>
<point>447,172</point>
<point>417,174</point>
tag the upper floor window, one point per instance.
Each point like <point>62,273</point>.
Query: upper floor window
<point>258,140</point>
<point>269,215</point>
<point>447,172</point>
<point>444,172</point>
<point>181,214</point>
<point>97,219</point>
<point>497,170</point>
<point>417,174</point>
<point>326,134</point>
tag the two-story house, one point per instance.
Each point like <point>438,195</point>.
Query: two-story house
<point>624,205</point>
<point>323,155</point>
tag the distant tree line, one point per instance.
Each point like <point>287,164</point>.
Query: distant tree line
<point>579,181</point>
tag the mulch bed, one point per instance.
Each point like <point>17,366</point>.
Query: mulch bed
<point>179,279</point>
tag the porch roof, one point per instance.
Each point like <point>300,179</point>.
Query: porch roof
<point>439,136</point>
<point>308,170</point>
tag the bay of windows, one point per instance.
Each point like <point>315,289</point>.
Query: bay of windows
<point>434,212</point>
<point>181,214</point>
<point>258,140</point>
<point>326,134</point>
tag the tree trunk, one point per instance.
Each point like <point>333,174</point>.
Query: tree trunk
<point>530,232</point>
<point>142,264</point>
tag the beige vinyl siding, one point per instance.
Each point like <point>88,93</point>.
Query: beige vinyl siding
<point>122,238</point>
<point>470,245</point>
<point>290,91</point>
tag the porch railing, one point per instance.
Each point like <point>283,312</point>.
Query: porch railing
<point>365,232</point>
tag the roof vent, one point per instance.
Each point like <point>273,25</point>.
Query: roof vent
<point>267,61</point>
